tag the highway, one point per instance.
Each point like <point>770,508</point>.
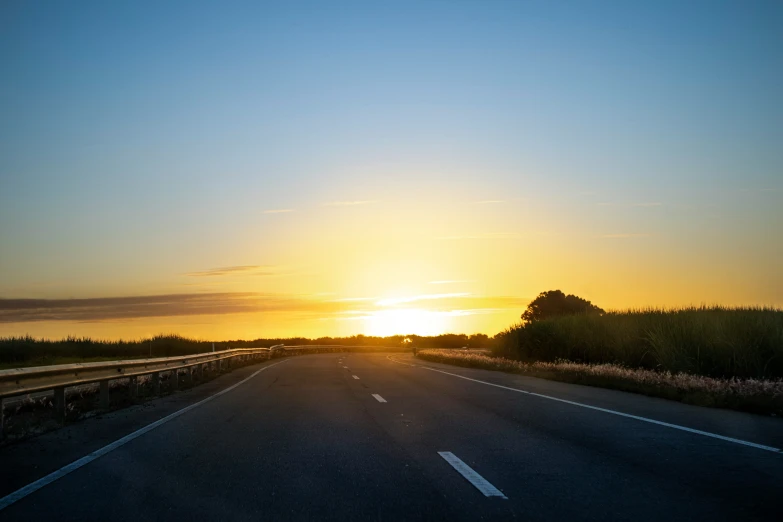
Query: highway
<point>389,437</point>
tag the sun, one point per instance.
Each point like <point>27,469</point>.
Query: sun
<point>402,321</point>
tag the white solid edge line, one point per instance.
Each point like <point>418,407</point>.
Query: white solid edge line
<point>356,377</point>
<point>402,363</point>
<point>378,397</point>
<point>480,483</point>
<point>613,412</point>
<point>73,466</point>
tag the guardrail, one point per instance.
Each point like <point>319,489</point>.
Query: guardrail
<point>341,347</point>
<point>24,381</point>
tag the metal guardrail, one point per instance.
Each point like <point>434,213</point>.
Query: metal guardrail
<point>340,347</point>
<point>24,381</point>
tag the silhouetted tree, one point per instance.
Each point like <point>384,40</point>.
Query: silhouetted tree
<point>555,303</point>
<point>478,340</point>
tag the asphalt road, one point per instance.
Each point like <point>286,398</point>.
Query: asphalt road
<point>311,438</point>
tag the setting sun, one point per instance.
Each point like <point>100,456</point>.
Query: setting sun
<point>407,321</point>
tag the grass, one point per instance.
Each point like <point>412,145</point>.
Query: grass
<point>51,360</point>
<point>718,342</point>
<point>16,350</point>
<point>751,395</point>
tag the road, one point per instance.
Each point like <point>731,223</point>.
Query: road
<point>381,437</point>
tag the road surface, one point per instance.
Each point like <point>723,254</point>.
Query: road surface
<point>386,437</point>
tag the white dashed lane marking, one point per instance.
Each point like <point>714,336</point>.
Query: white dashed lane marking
<point>378,397</point>
<point>470,474</point>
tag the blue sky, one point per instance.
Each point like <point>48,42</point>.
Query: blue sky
<point>143,141</point>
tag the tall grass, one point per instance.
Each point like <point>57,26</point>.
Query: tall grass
<point>711,341</point>
<point>18,349</point>
<point>753,395</point>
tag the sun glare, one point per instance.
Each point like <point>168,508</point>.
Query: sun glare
<point>406,321</point>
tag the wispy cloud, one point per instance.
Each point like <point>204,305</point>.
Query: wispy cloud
<point>411,299</point>
<point>121,308</point>
<point>349,203</point>
<point>489,235</point>
<point>136,307</point>
<point>451,281</point>
<point>487,201</point>
<point>352,299</point>
<point>278,211</point>
<point>368,314</point>
<point>622,236</point>
<point>628,205</point>
<point>234,270</point>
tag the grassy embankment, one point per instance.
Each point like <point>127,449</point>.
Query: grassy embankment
<point>720,357</point>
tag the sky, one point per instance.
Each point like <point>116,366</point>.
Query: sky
<point>230,170</point>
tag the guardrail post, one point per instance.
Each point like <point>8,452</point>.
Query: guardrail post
<point>133,387</point>
<point>59,404</point>
<point>174,380</point>
<point>104,395</point>
<point>200,372</point>
<point>155,377</point>
<point>189,376</point>
<point>2,418</point>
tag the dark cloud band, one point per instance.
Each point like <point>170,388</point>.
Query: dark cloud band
<point>134,307</point>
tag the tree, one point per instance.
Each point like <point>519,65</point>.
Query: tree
<point>478,340</point>
<point>555,303</point>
